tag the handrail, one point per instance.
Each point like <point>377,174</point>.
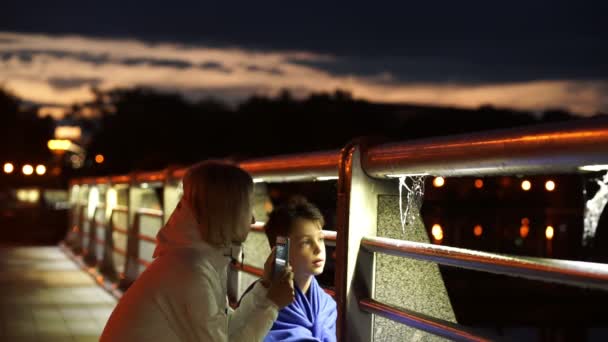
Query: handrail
<point>120,251</point>
<point>561,148</point>
<point>121,209</point>
<point>121,179</point>
<point>283,168</point>
<point>149,212</point>
<point>151,176</point>
<point>143,262</point>
<point>294,167</point>
<point>258,227</point>
<point>102,180</point>
<point>577,273</point>
<point>146,238</point>
<point>454,332</point>
<point>113,227</point>
<point>256,271</point>
<point>329,235</point>
<point>120,230</point>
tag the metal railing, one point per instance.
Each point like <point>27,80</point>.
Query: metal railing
<point>140,237</point>
<point>297,167</point>
<point>558,148</point>
<point>117,252</point>
<point>582,274</point>
<point>577,273</point>
<point>422,322</point>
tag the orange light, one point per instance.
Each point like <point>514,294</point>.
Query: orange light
<point>549,233</point>
<point>478,230</point>
<point>526,185</point>
<point>40,170</point>
<point>478,183</point>
<point>8,168</point>
<point>524,230</point>
<point>99,158</point>
<point>27,169</point>
<point>438,182</point>
<point>437,232</point>
<point>550,185</point>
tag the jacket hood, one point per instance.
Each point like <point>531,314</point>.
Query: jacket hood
<point>180,231</point>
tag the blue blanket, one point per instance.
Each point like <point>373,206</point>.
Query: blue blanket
<point>311,317</point>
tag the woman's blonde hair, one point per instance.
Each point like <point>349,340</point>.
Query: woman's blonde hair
<point>220,196</point>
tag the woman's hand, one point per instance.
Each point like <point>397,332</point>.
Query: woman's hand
<point>280,289</point>
<point>268,268</point>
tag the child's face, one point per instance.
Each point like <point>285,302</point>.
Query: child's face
<point>307,248</point>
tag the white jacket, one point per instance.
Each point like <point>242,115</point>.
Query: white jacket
<point>181,296</point>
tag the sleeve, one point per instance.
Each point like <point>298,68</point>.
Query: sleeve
<point>252,320</point>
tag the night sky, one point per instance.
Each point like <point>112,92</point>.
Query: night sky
<point>534,56</point>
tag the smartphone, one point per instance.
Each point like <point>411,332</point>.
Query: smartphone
<point>281,258</point>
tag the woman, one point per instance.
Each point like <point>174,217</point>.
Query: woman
<point>181,296</point>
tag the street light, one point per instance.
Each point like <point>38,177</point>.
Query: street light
<point>438,182</point>
<point>27,169</point>
<point>40,170</point>
<point>8,168</point>
<point>478,230</point>
<point>437,232</point>
<point>549,232</point>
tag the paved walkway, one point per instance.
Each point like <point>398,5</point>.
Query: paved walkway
<point>44,296</point>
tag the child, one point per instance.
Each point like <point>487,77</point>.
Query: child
<point>312,316</point>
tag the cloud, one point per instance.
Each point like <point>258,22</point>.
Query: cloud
<point>61,70</point>
<point>73,82</point>
<point>271,71</point>
<point>213,65</point>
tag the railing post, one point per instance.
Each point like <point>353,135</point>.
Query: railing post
<point>74,238</point>
<point>90,258</point>
<point>132,257</point>
<point>107,263</point>
<point>357,214</point>
<point>369,207</point>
